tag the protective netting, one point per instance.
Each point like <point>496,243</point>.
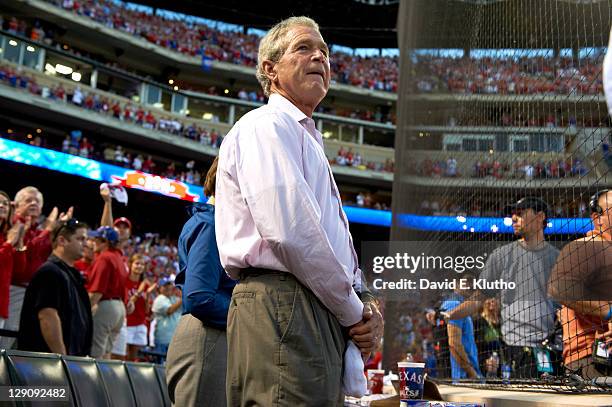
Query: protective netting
<point>503,136</point>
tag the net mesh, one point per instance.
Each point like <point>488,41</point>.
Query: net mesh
<point>500,101</point>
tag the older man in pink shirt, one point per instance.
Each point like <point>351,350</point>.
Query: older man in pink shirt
<point>281,230</point>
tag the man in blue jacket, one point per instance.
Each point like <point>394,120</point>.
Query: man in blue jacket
<point>197,356</point>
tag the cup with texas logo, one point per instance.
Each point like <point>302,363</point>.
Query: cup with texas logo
<point>412,380</point>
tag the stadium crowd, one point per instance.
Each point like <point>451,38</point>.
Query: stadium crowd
<point>127,112</point>
<point>76,143</point>
<point>347,158</point>
<point>120,270</point>
<point>494,168</point>
<point>520,76</point>
<point>443,206</point>
<point>138,114</point>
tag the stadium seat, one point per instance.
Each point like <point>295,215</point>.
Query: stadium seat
<point>161,376</point>
<point>5,377</point>
<point>38,369</point>
<point>116,383</point>
<point>145,384</point>
<point>87,382</point>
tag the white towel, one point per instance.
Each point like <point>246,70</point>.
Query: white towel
<point>354,382</point>
<point>607,75</point>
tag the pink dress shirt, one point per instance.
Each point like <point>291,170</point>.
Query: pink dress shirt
<point>278,207</point>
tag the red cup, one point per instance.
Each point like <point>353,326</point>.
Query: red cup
<point>375,381</point>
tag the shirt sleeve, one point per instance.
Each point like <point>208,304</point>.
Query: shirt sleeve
<point>49,288</point>
<point>203,274</point>
<point>448,306</point>
<point>287,215</point>
<point>572,271</point>
<point>99,275</point>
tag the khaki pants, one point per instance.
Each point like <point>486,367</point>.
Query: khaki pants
<point>107,323</point>
<point>196,364</point>
<point>284,347</point>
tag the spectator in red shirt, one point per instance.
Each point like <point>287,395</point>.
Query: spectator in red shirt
<point>37,242</point>
<point>84,263</point>
<point>138,292</point>
<point>106,291</point>
<point>123,227</point>
<point>148,165</point>
<point>11,243</point>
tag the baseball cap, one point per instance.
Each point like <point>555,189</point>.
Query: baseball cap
<point>166,280</point>
<point>123,219</point>
<point>105,232</point>
<point>529,202</point>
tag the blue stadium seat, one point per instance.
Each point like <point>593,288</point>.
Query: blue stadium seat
<point>145,384</point>
<point>116,383</point>
<point>87,383</point>
<point>39,369</point>
<point>161,376</point>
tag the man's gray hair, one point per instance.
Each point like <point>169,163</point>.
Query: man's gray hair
<point>274,44</point>
<point>21,194</point>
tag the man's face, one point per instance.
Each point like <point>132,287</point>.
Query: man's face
<point>73,247</point>
<point>88,249</point>
<point>303,73</point>
<point>166,289</point>
<point>527,221</point>
<point>123,231</point>
<point>99,245</point>
<point>29,205</point>
<point>604,221</point>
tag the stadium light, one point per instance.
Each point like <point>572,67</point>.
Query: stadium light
<point>50,68</point>
<point>30,48</point>
<point>171,81</point>
<point>176,88</point>
<point>63,69</point>
<point>76,76</point>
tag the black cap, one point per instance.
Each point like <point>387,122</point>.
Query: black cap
<point>530,202</point>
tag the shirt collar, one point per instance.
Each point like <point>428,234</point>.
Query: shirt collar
<point>200,207</point>
<point>283,104</point>
<point>286,106</point>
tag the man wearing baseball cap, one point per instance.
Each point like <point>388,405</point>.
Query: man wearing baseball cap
<point>528,315</point>
<point>106,290</point>
<point>123,227</point>
<point>167,309</point>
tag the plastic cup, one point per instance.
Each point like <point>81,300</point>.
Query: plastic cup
<point>375,381</point>
<point>412,380</point>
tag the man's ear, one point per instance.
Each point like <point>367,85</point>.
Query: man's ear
<point>269,69</point>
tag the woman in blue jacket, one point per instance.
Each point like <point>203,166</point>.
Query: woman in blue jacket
<point>197,356</point>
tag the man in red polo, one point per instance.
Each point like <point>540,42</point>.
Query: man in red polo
<point>106,291</point>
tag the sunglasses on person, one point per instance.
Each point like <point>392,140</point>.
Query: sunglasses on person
<point>71,223</point>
